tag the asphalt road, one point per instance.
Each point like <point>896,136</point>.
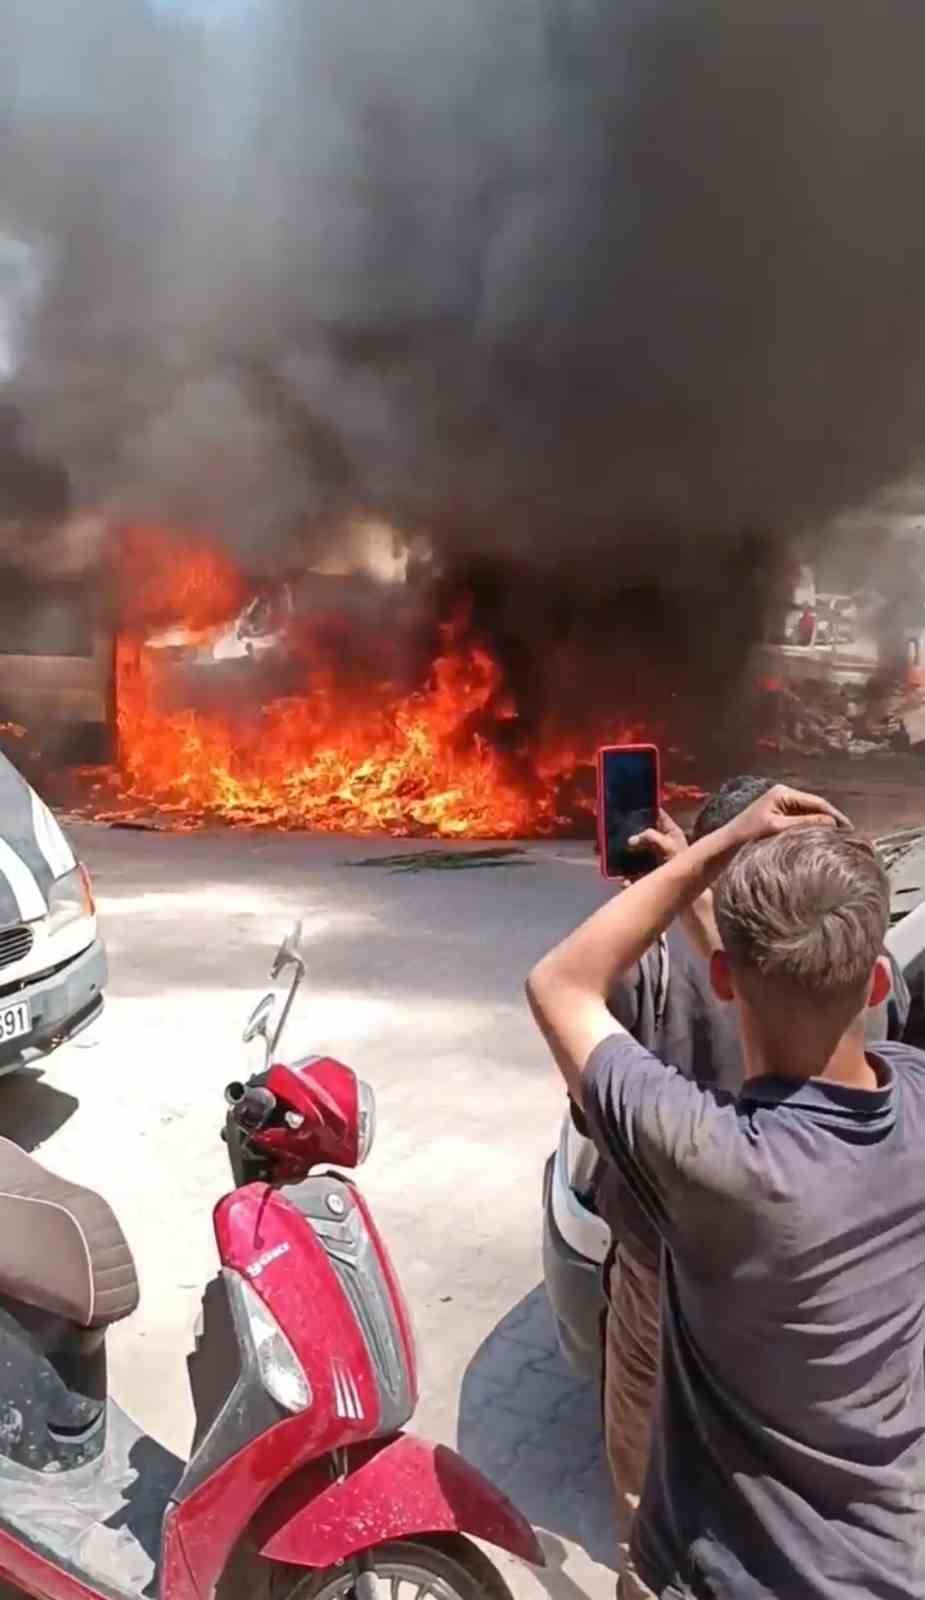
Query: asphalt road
<point>415,979</point>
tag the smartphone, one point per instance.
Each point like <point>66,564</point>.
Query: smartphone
<point>627,803</point>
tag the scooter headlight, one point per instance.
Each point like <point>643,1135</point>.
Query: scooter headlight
<point>280,1367</point>
<point>366,1120</point>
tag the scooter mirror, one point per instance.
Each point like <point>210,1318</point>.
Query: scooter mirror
<point>259,1024</point>
<point>289,953</point>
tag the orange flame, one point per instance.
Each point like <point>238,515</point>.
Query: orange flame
<point>333,758</point>
<point>165,577</point>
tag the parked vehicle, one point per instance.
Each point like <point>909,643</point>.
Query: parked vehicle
<point>303,1377</point>
<point>576,1239</point>
<point>57,660</point>
<point>52,959</point>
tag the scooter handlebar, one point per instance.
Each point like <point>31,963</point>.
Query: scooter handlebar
<point>250,1106</point>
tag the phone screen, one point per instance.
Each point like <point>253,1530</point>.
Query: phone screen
<point>627,803</point>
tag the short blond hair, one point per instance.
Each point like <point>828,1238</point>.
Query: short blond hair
<point>806,911</point>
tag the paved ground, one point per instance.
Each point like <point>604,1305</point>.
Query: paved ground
<point>415,979</point>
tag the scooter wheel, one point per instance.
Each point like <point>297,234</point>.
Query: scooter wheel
<point>439,1566</point>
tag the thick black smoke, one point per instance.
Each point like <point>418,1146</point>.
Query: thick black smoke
<point>625,289</point>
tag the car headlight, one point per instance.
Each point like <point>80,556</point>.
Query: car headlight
<point>366,1120</point>
<point>70,898</point>
<point>280,1368</point>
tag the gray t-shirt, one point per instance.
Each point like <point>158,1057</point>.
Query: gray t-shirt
<point>788,1457</point>
<point>666,1002</point>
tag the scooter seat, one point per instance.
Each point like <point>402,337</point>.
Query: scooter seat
<point>61,1248</point>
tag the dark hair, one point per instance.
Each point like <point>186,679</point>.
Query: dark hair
<point>728,801</point>
<point>807,911</point>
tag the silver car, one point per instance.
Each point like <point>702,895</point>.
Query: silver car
<point>576,1239</point>
<point>52,959</point>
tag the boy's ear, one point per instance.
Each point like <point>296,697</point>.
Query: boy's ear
<point>881,983</point>
<point>721,977</point>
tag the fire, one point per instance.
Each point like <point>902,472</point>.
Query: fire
<point>166,578</point>
<point>337,755</point>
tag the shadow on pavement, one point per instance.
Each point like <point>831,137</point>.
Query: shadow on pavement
<point>31,1110</point>
<point>535,1429</point>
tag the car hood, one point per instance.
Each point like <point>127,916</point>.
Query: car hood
<point>33,850</point>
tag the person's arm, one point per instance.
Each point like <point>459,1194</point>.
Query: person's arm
<point>567,990</point>
<point>623,1003</point>
<point>697,919</point>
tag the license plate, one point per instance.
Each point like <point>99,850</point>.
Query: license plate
<point>15,1021</point>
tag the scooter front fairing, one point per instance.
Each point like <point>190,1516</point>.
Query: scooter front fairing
<point>301,1380</point>
<point>393,1489</point>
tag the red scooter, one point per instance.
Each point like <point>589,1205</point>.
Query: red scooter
<point>303,1376</point>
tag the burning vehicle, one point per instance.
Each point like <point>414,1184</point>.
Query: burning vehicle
<point>340,703</point>
<point>248,657</point>
<point>269,643</point>
<point>259,629</point>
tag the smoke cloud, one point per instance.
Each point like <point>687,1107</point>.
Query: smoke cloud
<point>609,286</point>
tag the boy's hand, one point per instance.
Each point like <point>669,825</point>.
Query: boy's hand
<point>667,839</point>
<point>782,808</point>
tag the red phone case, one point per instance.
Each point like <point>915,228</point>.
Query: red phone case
<point>599,772</point>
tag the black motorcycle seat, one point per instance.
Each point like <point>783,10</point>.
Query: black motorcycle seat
<point>61,1248</point>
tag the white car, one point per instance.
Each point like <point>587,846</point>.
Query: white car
<point>52,959</point>
<point>576,1239</point>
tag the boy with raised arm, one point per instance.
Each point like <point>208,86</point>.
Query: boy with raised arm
<point>789,1449</point>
